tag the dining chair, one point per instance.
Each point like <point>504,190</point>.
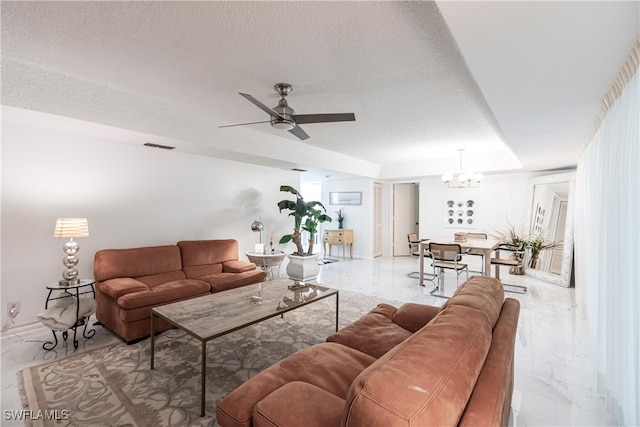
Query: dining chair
<point>414,250</point>
<point>446,256</point>
<point>477,252</point>
<point>515,261</point>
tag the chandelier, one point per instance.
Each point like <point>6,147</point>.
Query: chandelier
<point>465,179</point>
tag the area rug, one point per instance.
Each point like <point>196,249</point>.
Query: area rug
<point>114,386</point>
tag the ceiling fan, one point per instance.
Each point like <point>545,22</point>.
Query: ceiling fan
<point>284,117</point>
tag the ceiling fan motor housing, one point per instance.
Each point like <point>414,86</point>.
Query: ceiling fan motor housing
<point>285,111</point>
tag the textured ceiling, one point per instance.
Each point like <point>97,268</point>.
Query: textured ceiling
<point>508,82</point>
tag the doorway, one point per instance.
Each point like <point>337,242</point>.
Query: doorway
<point>405,216</point>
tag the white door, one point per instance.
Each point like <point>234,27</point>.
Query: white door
<point>377,219</point>
<point>405,216</point>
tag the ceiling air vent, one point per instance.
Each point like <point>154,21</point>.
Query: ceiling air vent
<point>164,147</point>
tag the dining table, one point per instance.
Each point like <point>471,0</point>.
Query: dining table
<point>484,246</point>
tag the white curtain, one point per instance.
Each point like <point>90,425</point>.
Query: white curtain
<point>607,254</point>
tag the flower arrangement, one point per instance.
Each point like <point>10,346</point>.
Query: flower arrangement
<point>516,243</point>
<point>340,218</point>
<point>511,237</point>
<point>537,244</point>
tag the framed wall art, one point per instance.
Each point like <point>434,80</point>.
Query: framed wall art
<point>460,208</point>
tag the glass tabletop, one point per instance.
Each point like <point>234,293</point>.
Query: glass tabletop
<point>214,315</point>
<point>83,282</point>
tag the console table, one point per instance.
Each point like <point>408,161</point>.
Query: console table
<point>338,237</point>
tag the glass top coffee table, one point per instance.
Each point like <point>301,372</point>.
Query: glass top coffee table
<point>212,316</point>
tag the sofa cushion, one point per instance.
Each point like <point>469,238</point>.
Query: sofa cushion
<point>485,294</point>
<point>412,316</point>
<point>158,279</point>
<point>147,261</point>
<point>490,401</point>
<point>375,333</point>
<point>115,288</point>
<point>225,281</point>
<point>314,407</point>
<point>203,252</point>
<point>329,366</point>
<point>237,266</point>
<point>202,270</point>
<point>164,293</point>
<point>428,378</point>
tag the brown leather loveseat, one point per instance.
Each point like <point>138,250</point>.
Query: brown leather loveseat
<point>130,282</point>
<point>416,365</point>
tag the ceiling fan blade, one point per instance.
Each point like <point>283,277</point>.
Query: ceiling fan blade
<point>244,124</point>
<point>260,105</point>
<point>297,131</point>
<point>324,118</point>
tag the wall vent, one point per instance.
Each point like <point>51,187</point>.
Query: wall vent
<point>298,170</point>
<point>164,147</point>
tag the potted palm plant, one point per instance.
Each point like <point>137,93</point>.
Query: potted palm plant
<point>303,265</point>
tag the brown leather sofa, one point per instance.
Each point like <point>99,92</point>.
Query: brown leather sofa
<point>130,282</point>
<point>416,365</point>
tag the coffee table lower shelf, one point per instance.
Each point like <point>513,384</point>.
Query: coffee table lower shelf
<point>212,316</point>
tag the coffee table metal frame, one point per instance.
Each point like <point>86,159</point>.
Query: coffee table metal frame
<point>212,316</point>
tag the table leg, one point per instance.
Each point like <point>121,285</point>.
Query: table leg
<point>75,326</point>
<point>152,340</point>
<point>487,263</point>
<point>203,377</point>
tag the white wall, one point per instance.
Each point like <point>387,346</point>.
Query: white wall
<point>358,218</point>
<point>131,195</point>
<point>502,199</point>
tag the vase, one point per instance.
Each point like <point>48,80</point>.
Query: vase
<point>517,270</point>
<point>340,225</point>
<point>533,262</point>
<point>303,268</point>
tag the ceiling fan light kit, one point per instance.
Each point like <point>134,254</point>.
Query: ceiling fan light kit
<point>284,117</point>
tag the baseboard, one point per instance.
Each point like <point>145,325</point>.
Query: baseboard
<point>28,328</point>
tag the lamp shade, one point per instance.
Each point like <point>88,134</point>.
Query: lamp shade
<point>71,227</point>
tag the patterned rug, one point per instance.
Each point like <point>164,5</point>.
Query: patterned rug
<point>114,385</point>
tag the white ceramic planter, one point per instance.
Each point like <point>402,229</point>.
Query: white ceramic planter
<point>303,268</point>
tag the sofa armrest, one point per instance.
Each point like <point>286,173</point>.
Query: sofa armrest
<point>313,407</point>
<point>115,288</point>
<point>237,266</point>
<point>413,317</point>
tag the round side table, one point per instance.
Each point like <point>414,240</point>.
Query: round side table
<point>267,261</point>
<point>85,286</point>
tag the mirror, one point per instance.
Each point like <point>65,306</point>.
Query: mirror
<point>550,216</point>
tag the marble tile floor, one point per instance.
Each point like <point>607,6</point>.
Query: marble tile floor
<point>555,381</point>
